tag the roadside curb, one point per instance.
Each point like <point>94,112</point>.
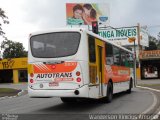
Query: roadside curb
<point>148,88</point>
<point>152,106</point>
<point>22,92</point>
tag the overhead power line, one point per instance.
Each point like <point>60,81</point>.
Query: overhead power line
<point>150,26</point>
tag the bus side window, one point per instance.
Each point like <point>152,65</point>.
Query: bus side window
<point>92,51</point>
<point>116,55</point>
<point>109,54</point>
<point>129,60</point>
<point>123,58</point>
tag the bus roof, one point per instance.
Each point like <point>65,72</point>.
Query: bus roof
<point>78,30</point>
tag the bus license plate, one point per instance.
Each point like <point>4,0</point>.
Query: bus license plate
<point>52,84</point>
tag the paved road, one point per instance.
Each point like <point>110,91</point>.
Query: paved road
<point>136,102</point>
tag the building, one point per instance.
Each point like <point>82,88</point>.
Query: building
<point>150,64</point>
<point>13,70</point>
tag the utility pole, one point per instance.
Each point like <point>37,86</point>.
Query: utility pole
<point>133,39</point>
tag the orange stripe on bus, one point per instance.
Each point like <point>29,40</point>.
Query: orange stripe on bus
<point>64,67</point>
<point>116,73</point>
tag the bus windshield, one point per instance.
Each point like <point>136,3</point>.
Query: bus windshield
<point>53,45</point>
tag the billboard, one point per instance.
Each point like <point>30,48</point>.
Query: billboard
<point>120,35</point>
<point>85,13</point>
<point>144,41</point>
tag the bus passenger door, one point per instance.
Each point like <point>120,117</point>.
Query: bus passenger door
<point>100,64</point>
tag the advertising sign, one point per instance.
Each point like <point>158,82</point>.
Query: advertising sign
<point>144,41</point>
<point>14,63</point>
<point>85,13</point>
<point>151,54</point>
<point>120,35</point>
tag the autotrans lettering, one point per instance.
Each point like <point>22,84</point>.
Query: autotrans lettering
<point>54,75</point>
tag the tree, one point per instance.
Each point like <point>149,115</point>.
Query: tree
<point>13,49</point>
<point>4,19</point>
<point>152,46</point>
<point>158,46</point>
<point>152,43</point>
<point>158,36</point>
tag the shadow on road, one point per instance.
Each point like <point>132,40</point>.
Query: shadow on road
<point>83,105</point>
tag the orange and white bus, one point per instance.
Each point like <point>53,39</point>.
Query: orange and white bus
<point>74,63</point>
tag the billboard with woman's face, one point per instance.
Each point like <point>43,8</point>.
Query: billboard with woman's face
<point>85,13</point>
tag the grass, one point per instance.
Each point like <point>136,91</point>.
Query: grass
<point>8,92</point>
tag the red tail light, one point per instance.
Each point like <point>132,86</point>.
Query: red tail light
<point>78,79</point>
<point>31,80</point>
<point>78,73</point>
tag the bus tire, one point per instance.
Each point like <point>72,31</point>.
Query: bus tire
<point>130,87</point>
<point>109,96</point>
<point>68,100</point>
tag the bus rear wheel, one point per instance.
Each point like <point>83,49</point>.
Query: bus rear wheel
<point>109,96</point>
<point>109,92</point>
<point>130,87</point>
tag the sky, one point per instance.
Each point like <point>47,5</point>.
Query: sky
<point>27,16</point>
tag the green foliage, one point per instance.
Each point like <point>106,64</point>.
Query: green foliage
<point>13,49</point>
<point>7,90</point>
<point>152,46</point>
<point>152,43</point>
<point>4,19</point>
<point>158,46</point>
